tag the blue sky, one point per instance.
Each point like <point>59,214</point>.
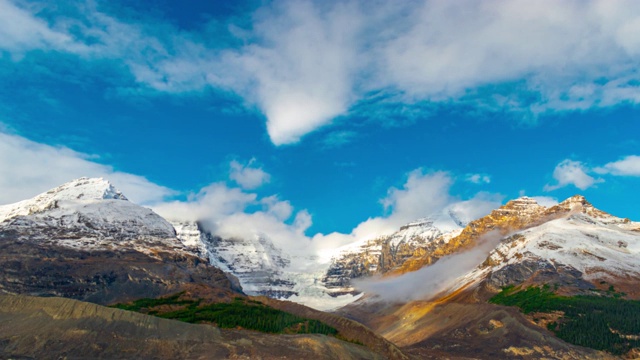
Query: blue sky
<point>305,118</point>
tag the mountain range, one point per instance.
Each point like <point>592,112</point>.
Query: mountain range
<point>435,288</point>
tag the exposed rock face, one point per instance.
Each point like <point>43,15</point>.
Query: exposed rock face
<point>538,272</point>
<point>263,268</point>
<point>257,263</point>
<point>45,328</point>
<point>101,276</point>
<point>85,241</point>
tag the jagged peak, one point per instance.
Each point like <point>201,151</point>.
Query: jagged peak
<point>523,201</point>
<point>576,203</point>
<point>579,204</point>
<point>575,200</point>
<point>522,206</point>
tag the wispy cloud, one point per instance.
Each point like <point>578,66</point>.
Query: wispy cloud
<point>432,279</point>
<point>478,178</point>
<point>303,63</point>
<point>337,139</point>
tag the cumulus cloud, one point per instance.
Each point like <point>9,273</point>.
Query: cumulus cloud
<point>30,168</point>
<point>423,194</point>
<point>248,176</point>
<point>230,213</point>
<point>305,63</point>
<point>301,65</point>
<point>569,172</point>
<point>236,213</point>
<point>628,166</point>
<point>213,201</point>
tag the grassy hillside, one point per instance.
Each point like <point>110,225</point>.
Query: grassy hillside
<point>606,322</point>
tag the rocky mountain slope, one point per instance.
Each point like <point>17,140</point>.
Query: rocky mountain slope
<point>263,268</point>
<point>259,265</point>
<point>566,243</point>
<point>572,247</point>
<point>385,253</point>
<point>84,240</point>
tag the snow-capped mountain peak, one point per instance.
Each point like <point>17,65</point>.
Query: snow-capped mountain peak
<point>82,189</point>
<point>572,244</point>
<point>93,213</point>
<point>579,204</point>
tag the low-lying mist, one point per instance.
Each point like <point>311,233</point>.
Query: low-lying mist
<point>429,281</point>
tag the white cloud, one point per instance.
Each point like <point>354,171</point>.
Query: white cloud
<point>629,166</point>
<point>224,212</point>
<point>478,178</point>
<point>211,202</point>
<point>304,63</point>
<point>478,206</point>
<point>423,194</point>
<point>247,176</point>
<point>20,31</point>
<point>30,168</point>
<point>301,65</point>
<point>569,172</point>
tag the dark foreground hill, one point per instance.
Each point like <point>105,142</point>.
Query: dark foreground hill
<point>41,328</point>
